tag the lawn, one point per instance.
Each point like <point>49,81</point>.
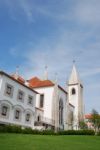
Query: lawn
<point>45,142</point>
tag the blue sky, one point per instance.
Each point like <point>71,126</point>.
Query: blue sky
<point>35,33</point>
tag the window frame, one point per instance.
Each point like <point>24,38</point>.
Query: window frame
<point>7,88</point>
<point>73,91</point>
<point>3,111</point>
<point>21,99</point>
<point>29,118</point>
<point>31,104</point>
<point>17,114</point>
<point>41,104</point>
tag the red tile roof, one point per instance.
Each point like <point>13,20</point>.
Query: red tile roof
<point>36,82</point>
<point>20,82</point>
<point>19,78</point>
<point>88,116</point>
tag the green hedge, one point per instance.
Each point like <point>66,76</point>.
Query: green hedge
<point>77,132</point>
<point>18,129</point>
<point>10,129</point>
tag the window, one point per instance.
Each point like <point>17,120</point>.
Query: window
<point>39,118</point>
<point>4,110</point>
<point>28,117</point>
<point>60,112</point>
<point>17,114</point>
<point>73,91</point>
<point>41,100</point>
<point>30,100</point>
<point>20,95</point>
<point>9,90</point>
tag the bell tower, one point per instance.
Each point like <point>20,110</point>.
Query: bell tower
<point>75,97</point>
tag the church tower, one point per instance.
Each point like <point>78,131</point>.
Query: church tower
<point>75,97</point>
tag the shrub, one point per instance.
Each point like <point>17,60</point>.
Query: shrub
<point>18,129</point>
<point>10,129</point>
<point>76,132</point>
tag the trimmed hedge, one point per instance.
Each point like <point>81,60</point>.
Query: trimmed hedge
<point>10,129</point>
<point>18,129</point>
<point>77,132</point>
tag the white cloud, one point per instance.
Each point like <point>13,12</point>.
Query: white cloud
<point>91,72</point>
<point>88,11</point>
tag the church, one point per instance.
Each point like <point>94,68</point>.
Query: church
<point>41,103</point>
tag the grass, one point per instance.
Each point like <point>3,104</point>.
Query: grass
<point>45,142</point>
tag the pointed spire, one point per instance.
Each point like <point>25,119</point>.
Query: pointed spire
<point>46,73</point>
<point>74,77</point>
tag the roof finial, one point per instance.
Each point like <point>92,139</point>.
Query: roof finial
<point>46,73</point>
<point>17,70</point>
<point>74,61</point>
<point>56,77</point>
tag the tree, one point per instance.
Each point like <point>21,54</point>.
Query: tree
<point>82,125</point>
<point>95,119</point>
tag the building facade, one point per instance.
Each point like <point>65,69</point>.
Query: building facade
<point>17,102</point>
<point>75,97</point>
<point>41,104</point>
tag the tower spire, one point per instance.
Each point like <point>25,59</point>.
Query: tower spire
<point>74,77</point>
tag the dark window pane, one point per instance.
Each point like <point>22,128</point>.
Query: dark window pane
<point>41,100</point>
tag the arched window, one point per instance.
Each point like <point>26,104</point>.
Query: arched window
<point>60,112</point>
<point>73,91</point>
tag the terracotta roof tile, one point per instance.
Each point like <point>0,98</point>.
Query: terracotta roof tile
<point>36,82</point>
<point>19,78</point>
<point>88,116</point>
<point>18,81</point>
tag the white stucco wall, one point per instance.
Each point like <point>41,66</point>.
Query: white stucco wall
<point>77,101</point>
<point>63,97</point>
<point>48,97</point>
<point>13,102</point>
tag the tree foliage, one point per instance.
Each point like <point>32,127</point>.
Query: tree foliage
<point>82,125</point>
<point>95,119</point>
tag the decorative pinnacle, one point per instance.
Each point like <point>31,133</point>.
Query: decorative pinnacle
<point>17,70</point>
<point>56,77</point>
<point>46,73</point>
<point>16,73</point>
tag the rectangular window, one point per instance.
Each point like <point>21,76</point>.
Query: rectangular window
<point>4,110</point>
<point>17,114</point>
<point>27,117</point>
<point>9,90</point>
<point>30,100</point>
<point>41,100</point>
<point>20,95</point>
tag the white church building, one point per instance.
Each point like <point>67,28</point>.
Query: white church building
<point>41,104</point>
